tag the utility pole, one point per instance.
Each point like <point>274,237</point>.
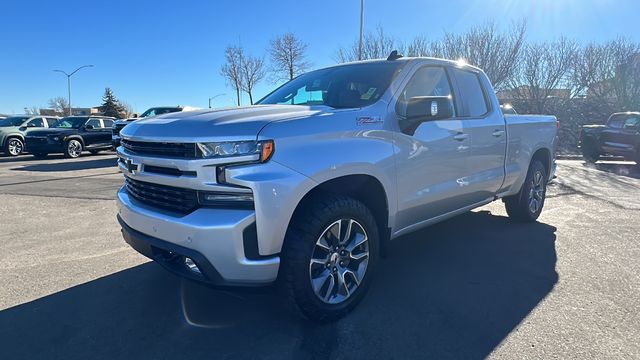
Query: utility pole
<point>213,97</point>
<point>361,24</point>
<point>69,83</point>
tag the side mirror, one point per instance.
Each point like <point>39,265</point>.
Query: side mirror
<point>22,128</point>
<point>88,127</point>
<point>424,108</point>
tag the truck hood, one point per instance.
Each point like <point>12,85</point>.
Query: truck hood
<point>227,124</point>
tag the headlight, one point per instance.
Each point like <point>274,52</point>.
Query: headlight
<point>264,149</point>
<point>55,138</point>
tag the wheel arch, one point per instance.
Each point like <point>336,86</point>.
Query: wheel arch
<point>362,187</point>
<point>544,155</point>
<point>10,136</point>
<point>75,137</point>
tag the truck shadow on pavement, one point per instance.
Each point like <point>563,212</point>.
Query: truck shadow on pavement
<point>71,165</point>
<point>454,290</point>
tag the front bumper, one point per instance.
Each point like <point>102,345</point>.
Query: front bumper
<point>212,238</point>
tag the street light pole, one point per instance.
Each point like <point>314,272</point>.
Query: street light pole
<point>213,97</point>
<point>361,25</point>
<point>69,82</point>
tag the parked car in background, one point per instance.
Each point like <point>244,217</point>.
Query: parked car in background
<point>13,129</point>
<point>72,135</point>
<point>620,136</point>
<point>309,184</point>
<point>154,111</point>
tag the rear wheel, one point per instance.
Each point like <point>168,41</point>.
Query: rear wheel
<point>73,148</point>
<point>328,257</point>
<point>527,205</point>
<point>590,153</point>
<point>14,146</point>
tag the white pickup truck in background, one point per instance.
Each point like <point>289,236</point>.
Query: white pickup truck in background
<point>307,186</point>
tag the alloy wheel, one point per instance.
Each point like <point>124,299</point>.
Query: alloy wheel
<point>15,147</point>
<point>536,193</point>
<point>339,261</point>
<point>74,148</point>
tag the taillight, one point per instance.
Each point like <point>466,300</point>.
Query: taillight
<point>557,124</point>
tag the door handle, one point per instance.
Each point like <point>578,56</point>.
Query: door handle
<point>497,133</point>
<point>460,137</point>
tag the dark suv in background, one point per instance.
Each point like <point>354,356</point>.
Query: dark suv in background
<point>619,137</point>
<point>72,135</point>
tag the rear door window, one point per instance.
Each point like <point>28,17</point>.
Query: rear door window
<point>51,121</point>
<point>632,122</point>
<point>108,123</point>
<point>472,93</point>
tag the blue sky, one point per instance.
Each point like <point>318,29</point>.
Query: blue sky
<point>170,52</point>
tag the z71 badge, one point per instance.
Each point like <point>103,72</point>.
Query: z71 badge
<point>369,120</point>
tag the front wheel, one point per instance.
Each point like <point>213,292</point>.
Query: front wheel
<point>329,255</point>
<point>14,147</point>
<point>527,205</point>
<point>73,148</point>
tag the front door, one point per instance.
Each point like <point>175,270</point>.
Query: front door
<point>432,162</point>
<point>91,133</point>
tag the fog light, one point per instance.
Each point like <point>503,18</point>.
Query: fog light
<point>209,198</point>
<point>191,265</point>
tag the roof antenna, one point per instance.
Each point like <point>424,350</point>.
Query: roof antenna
<point>394,55</point>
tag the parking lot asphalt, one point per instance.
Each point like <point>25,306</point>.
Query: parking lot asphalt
<point>472,287</point>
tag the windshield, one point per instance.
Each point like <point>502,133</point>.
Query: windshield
<point>70,123</point>
<point>159,111</point>
<point>347,86</point>
<point>13,121</point>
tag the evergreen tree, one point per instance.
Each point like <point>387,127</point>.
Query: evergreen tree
<point>111,106</point>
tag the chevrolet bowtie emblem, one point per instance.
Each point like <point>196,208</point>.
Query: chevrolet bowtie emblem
<point>132,168</point>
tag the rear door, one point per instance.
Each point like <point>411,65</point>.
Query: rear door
<point>105,135</point>
<point>91,133</point>
<point>486,125</point>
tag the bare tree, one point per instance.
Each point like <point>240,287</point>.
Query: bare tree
<point>486,47</point>
<point>127,109</point>
<point>33,110</point>
<point>287,54</point>
<point>232,69</point>
<point>376,45</point>
<point>626,81</point>
<point>544,68</point>
<point>252,71</point>
<point>60,105</point>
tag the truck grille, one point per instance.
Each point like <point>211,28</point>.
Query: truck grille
<point>116,129</point>
<point>160,149</point>
<point>165,197</point>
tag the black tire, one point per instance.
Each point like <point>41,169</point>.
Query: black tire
<point>14,146</point>
<point>519,206</point>
<point>590,152</point>
<point>94,152</point>
<point>72,148</point>
<point>40,155</point>
<point>301,245</point>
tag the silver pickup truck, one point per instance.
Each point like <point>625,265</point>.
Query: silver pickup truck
<point>308,186</point>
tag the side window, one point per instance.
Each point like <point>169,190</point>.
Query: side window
<point>108,123</point>
<point>472,93</point>
<point>51,121</point>
<point>632,122</point>
<point>427,81</point>
<point>616,122</point>
<point>94,122</point>
<point>36,123</point>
